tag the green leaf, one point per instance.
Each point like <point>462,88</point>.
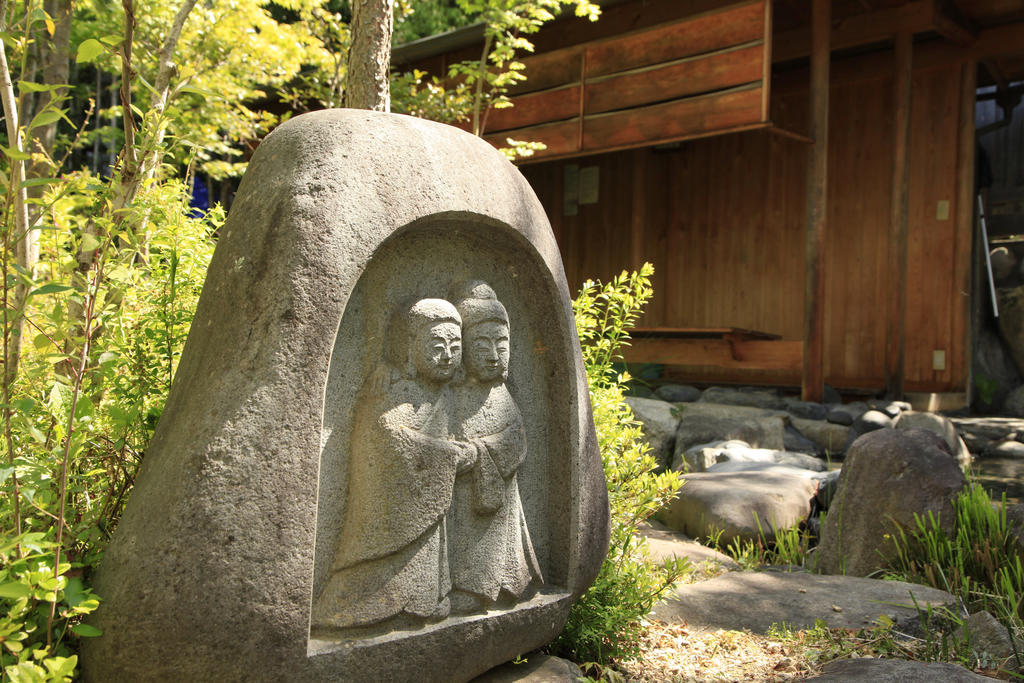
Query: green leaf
<point>90,242</point>
<point>46,117</point>
<point>90,50</point>
<point>50,288</point>
<point>14,590</point>
<point>200,91</point>
<point>15,154</point>
<point>86,631</point>
<point>31,86</point>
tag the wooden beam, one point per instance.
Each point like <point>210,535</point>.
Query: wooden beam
<point>948,23</point>
<point>860,29</point>
<point>673,120</point>
<point>813,380</point>
<point>896,337</point>
<point>882,25</point>
<point>720,353</point>
<point>638,215</point>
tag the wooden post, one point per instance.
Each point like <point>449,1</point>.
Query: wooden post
<point>896,337</point>
<point>817,187</point>
<point>963,324</point>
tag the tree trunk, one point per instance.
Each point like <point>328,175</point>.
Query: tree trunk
<point>369,56</point>
<point>26,248</point>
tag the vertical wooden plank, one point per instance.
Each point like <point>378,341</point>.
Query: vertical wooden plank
<point>766,66</point>
<point>638,217</point>
<point>813,381</point>
<point>960,332</point>
<point>896,346</point>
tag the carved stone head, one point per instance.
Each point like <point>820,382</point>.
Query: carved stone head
<point>485,331</point>
<point>434,340</point>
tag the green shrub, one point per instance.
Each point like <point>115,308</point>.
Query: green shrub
<point>605,623</point>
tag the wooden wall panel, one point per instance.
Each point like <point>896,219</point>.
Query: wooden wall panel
<point>689,77</point>
<point>723,224</point>
<point>932,229</point>
<point>707,33</point>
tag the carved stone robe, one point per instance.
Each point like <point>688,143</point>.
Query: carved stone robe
<point>392,555</point>
<point>489,544</point>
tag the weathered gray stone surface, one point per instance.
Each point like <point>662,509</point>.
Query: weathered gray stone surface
<point>663,543</point>
<point>995,373</point>
<point>743,505</point>
<point>659,425</point>
<point>756,600</point>
<point>805,409</point>
<point>753,466</point>
<point>888,476</point>
<point>830,438</point>
<point>677,393</point>
<point>705,423</point>
<point>989,638</point>
<point>872,420</point>
<point>744,396</point>
<point>1004,262</point>
<point>795,442</point>
<point>894,671</point>
<point>537,668</point>
<point>941,426</point>
<point>1013,404</point>
<point>236,522</point>
<point>768,455</point>
<point>1011,322</point>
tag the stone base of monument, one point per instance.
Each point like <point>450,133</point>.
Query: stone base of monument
<point>523,628</point>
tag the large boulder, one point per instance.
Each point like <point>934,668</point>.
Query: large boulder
<point>889,476</point>
<point>705,423</point>
<point>659,426</point>
<point>942,427</point>
<point>995,373</point>
<point>740,505</point>
<point>306,460</point>
<point>1011,322</point>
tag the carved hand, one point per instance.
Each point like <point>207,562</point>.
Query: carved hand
<point>466,456</point>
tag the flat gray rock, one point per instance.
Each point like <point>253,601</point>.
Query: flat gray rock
<point>870,670</point>
<point>756,600</point>
<point>705,423</point>
<point>537,668</point>
<point>677,393</point>
<point>744,396</point>
<point>740,505</point>
<point>339,489</point>
<point>663,544</point>
<point>829,437</point>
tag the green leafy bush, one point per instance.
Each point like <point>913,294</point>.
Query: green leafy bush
<point>605,623</point>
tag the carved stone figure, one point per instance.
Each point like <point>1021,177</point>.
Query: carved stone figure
<point>491,554</point>
<point>392,555</point>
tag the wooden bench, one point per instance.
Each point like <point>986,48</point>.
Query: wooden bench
<point>725,347</point>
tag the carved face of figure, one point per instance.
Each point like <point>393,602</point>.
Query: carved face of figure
<point>437,351</point>
<point>486,357</point>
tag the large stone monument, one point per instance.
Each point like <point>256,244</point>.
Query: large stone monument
<point>377,461</point>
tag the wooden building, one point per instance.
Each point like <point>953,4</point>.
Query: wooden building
<point>800,173</point>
